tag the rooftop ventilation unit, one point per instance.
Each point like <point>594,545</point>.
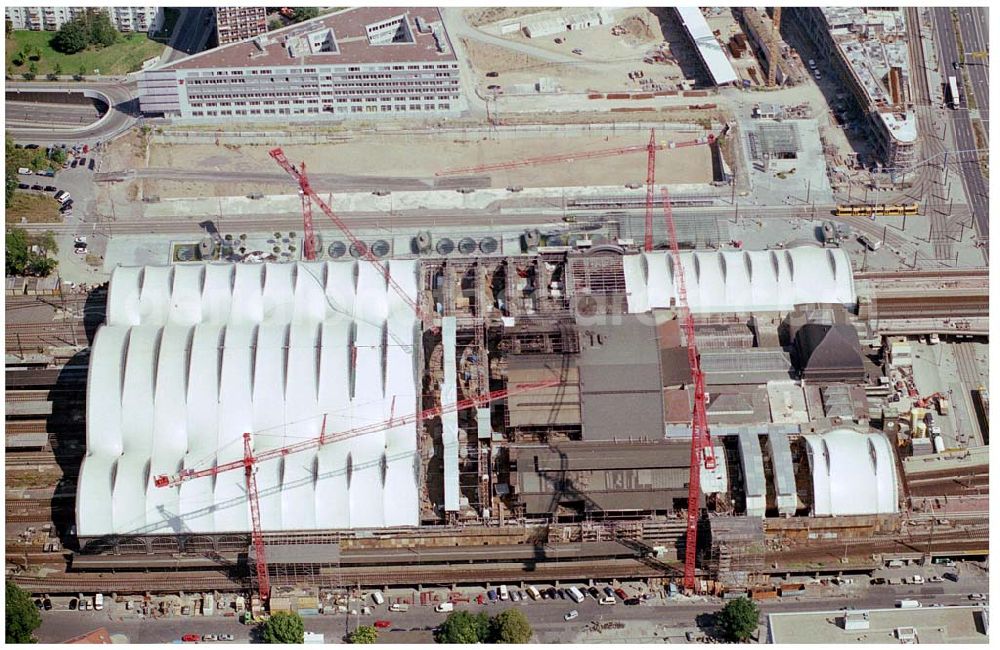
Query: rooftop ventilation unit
<point>337,249</point>
<point>445,246</point>
<point>467,246</point>
<point>358,249</point>
<point>380,248</point>
<point>488,245</point>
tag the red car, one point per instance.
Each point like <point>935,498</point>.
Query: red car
<point>621,593</point>
<point>191,638</point>
<point>383,624</point>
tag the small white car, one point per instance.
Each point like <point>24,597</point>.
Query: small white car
<point>571,615</point>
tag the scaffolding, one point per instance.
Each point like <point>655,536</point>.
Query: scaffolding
<point>736,552</point>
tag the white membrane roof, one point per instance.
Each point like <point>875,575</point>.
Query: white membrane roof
<point>741,280</point>
<point>853,473</point>
<point>194,355</point>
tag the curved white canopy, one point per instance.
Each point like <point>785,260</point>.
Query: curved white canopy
<point>193,356</point>
<point>853,473</point>
<point>741,281</point>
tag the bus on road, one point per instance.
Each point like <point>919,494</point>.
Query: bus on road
<point>956,101</point>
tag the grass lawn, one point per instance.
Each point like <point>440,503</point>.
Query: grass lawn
<point>37,208</point>
<point>125,56</point>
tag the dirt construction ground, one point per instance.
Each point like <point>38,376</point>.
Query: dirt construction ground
<point>419,158</point>
<point>604,64</point>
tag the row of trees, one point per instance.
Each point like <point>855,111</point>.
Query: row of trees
<point>29,255</point>
<point>22,617</point>
<point>92,28</point>
<point>509,626</point>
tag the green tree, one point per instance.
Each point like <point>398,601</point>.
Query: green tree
<point>18,257</point>
<point>11,186</point>
<point>510,626</point>
<point>58,156</point>
<point>101,31</point>
<point>79,73</point>
<point>18,58</point>
<point>31,73</point>
<point>464,627</point>
<point>8,27</point>
<point>284,627</point>
<point>71,38</point>
<point>274,24</point>
<point>300,14</point>
<point>47,240</point>
<point>364,634</point>
<point>34,52</point>
<point>41,266</point>
<point>22,615</point>
<point>57,71</point>
<point>738,620</point>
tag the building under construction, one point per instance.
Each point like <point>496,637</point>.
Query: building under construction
<point>535,400</point>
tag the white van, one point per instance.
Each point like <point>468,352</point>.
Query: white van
<point>399,607</point>
<point>99,602</point>
<point>908,604</point>
<point>62,196</point>
<point>575,594</point>
<point>504,594</point>
<point>24,170</point>
<point>445,607</point>
<point>533,592</point>
<point>377,597</point>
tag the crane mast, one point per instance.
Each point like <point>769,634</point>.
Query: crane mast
<point>701,441</point>
<point>306,188</point>
<point>263,579</point>
<point>650,179</point>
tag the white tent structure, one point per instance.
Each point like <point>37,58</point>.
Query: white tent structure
<point>853,473</point>
<point>194,355</point>
<point>741,281</point>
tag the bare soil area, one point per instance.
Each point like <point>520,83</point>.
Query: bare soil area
<point>486,15</point>
<point>414,157</point>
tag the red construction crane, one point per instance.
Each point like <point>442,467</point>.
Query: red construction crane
<point>360,246</point>
<point>569,157</point>
<point>650,180</point>
<point>308,234</point>
<point>702,451</point>
<point>250,459</point>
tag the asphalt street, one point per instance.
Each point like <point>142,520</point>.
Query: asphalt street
<point>190,34</point>
<point>122,113</point>
<point>546,617</point>
<point>52,116</point>
<point>976,187</point>
<point>975,27</point>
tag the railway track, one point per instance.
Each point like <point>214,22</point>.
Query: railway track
<point>55,395</point>
<point>27,426</point>
<point>943,304</point>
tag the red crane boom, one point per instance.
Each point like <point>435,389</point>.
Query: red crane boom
<point>263,579</point>
<point>280,452</point>
<point>650,179</point>
<point>701,440</point>
<point>568,157</point>
<point>307,191</point>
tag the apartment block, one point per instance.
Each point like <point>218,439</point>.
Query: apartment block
<point>234,24</point>
<point>870,55</point>
<point>366,62</point>
<point>125,19</point>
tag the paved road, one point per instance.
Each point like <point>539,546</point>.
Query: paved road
<point>976,187</point>
<point>121,114</point>
<point>51,116</point>
<point>974,25</point>
<point>546,617</point>
<point>190,34</point>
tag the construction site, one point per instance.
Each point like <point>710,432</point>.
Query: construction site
<point>503,387</point>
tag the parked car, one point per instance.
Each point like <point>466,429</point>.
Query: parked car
<point>76,161</point>
<point>37,188</point>
<point>83,162</point>
<point>593,592</point>
<point>631,601</point>
<point>570,615</point>
<point>514,595</point>
<point>621,593</point>
<point>977,596</point>
<point>23,186</point>
<point>492,74</point>
<point>492,595</point>
<point>577,51</point>
<point>383,624</point>
<point>951,576</point>
<point>493,87</point>
<point>608,591</point>
<point>72,603</point>
<point>226,637</point>
<point>445,607</point>
<point>46,604</point>
<point>90,165</point>
<point>935,579</point>
<point>47,172</point>
<point>552,593</point>
<point>191,638</point>
<point>51,188</point>
<point>207,638</point>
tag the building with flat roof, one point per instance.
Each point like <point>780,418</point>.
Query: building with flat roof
<point>710,50</point>
<point>234,24</point>
<point>935,625</point>
<point>366,62</point>
<point>870,55</point>
<point>125,19</point>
